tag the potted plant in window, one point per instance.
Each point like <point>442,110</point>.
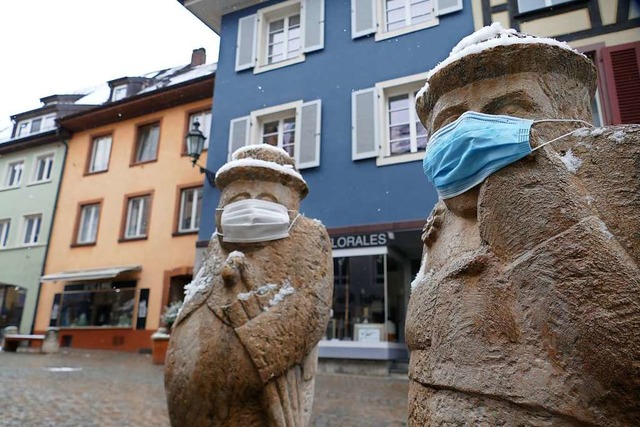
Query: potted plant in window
<point>160,338</point>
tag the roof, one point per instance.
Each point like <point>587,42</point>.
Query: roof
<point>210,11</point>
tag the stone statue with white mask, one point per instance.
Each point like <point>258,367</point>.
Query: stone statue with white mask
<point>243,348</point>
<point>526,310</point>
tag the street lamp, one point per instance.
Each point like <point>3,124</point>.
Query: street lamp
<point>195,144</point>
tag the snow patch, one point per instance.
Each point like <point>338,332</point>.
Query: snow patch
<point>582,132</point>
<point>235,254</point>
<point>262,290</point>
<point>571,162</point>
<point>605,230</point>
<point>255,163</point>
<point>589,199</point>
<point>267,147</point>
<point>284,291</point>
<point>617,136</point>
<point>486,38</point>
<point>198,284</point>
<point>421,274</point>
<point>244,296</point>
<point>597,131</point>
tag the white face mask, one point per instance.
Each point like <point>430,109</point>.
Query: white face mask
<point>254,220</point>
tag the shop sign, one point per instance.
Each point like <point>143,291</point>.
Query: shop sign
<point>360,240</point>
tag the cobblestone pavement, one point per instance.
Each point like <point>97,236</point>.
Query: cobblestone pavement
<point>103,388</point>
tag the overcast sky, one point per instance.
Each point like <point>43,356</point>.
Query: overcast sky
<point>58,46</point>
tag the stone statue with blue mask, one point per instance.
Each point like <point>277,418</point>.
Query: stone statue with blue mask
<point>526,309</point>
<point>243,350</point>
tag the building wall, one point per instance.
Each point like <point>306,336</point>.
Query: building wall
<point>22,265</point>
<point>158,253</point>
<point>342,192</point>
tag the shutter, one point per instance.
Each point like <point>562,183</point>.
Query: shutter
<point>364,124</point>
<point>442,7</point>
<point>246,45</point>
<point>308,149</point>
<point>313,24</point>
<point>622,65</point>
<point>238,134</point>
<point>363,17</point>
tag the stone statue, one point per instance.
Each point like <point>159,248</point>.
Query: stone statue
<point>243,348</point>
<point>526,309</point>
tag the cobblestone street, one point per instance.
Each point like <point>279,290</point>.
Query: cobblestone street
<point>102,388</point>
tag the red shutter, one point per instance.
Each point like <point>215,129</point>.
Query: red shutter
<point>622,67</point>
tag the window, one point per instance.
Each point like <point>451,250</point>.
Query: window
<point>529,5</point>
<point>31,232</point>
<point>43,167</point>
<point>391,18</point>
<point>22,129</point>
<point>280,35</point>
<point>137,222</point>
<point>204,118</point>
<point>35,125</point>
<point>190,207</point>
<point>88,225</point>
<point>385,122</point>
<point>119,92</point>
<point>14,174</point>
<point>4,232</point>
<point>97,304</point>
<point>147,146</point>
<point>294,127</point>
<point>100,151</point>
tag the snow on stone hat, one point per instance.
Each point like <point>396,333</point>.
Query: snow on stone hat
<point>262,162</point>
<point>493,52</point>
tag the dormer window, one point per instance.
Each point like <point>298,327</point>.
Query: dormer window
<point>119,92</point>
<point>35,125</point>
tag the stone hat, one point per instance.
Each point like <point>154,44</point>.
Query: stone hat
<point>262,162</point>
<point>493,52</point>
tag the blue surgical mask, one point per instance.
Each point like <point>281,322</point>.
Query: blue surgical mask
<point>465,152</point>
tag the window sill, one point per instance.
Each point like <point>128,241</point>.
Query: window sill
<point>87,173</point>
<point>82,245</point>
<point>404,30</point>
<point>16,248</point>
<point>401,158</point>
<point>264,68</point>
<point>13,187</point>
<point>143,163</point>
<point>184,233</point>
<point>39,182</point>
<point>67,328</point>
<point>132,239</point>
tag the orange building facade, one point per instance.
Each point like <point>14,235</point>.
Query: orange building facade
<point>123,239</point>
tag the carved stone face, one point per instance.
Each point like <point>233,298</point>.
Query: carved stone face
<point>526,95</point>
<point>264,190</point>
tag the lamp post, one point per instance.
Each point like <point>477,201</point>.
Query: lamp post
<point>195,144</point>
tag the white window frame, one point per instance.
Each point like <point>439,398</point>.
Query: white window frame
<point>5,227</point>
<point>385,90</point>
<point>47,122</point>
<point>51,156</point>
<point>118,93</point>
<point>383,34</point>
<point>94,222</point>
<point>196,209</point>
<point>34,236</point>
<point>266,16</point>
<point>204,118</point>
<point>7,173</point>
<point>278,112</point>
<point>146,199</point>
<point>92,158</point>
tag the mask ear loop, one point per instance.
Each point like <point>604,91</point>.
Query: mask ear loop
<point>561,136</point>
<point>293,222</point>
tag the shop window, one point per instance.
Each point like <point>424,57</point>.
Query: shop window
<point>147,143</point>
<point>31,229</point>
<point>43,168</point>
<point>531,5</point>
<point>385,122</point>
<point>98,304</point>
<point>137,222</point>
<point>280,35</point>
<point>294,127</point>
<point>190,208</point>
<point>5,225</point>
<point>100,152</point>
<point>12,300</point>
<point>88,224</point>
<point>13,176</point>
<point>391,18</point>
<point>204,118</point>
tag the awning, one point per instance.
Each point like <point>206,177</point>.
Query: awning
<point>90,274</point>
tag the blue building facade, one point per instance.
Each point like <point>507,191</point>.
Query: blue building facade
<point>333,82</point>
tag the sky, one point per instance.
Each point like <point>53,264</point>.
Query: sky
<point>52,47</point>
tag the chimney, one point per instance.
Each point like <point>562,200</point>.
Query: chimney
<point>198,57</point>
